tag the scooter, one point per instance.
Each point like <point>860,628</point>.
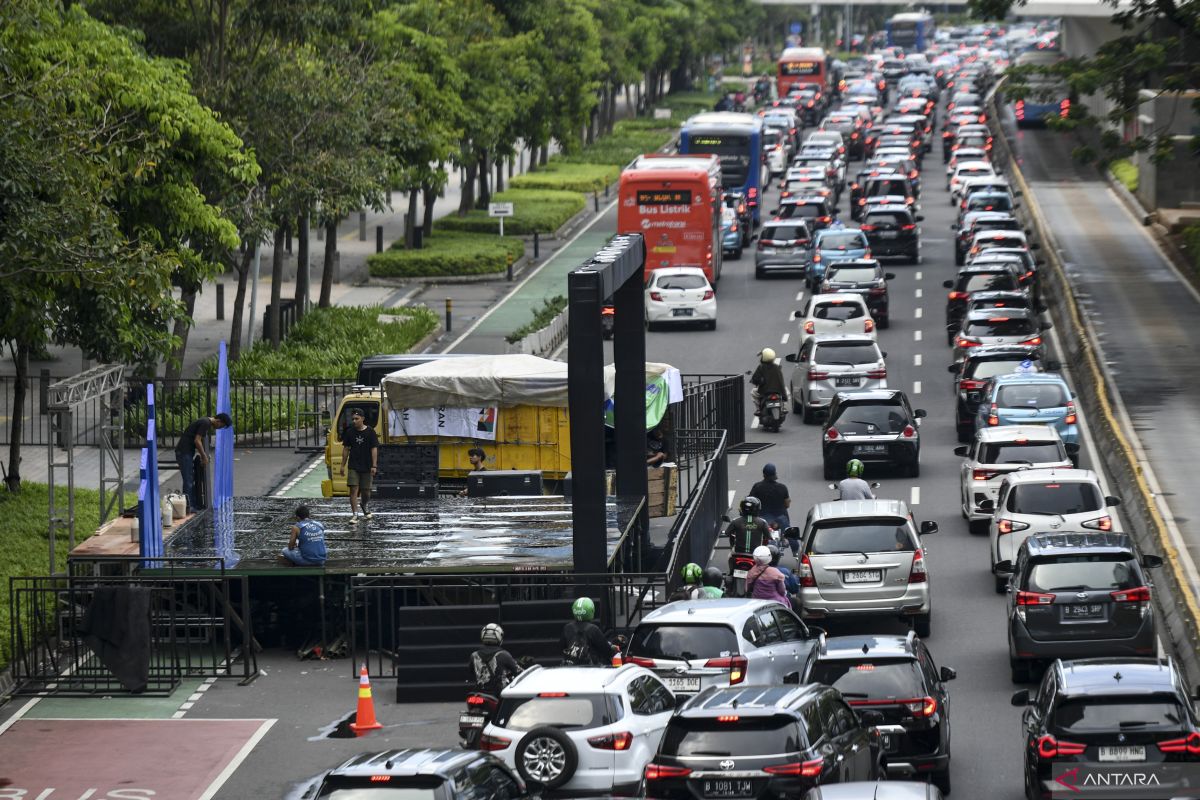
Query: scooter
<point>772,411</point>
<point>481,707</point>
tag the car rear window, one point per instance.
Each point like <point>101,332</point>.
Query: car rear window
<point>989,203</point>
<point>744,737</point>
<point>838,311</point>
<point>785,233</point>
<point>887,219</point>
<point>897,187</point>
<point>1108,714</point>
<point>566,711</point>
<point>807,210</point>
<point>870,418</point>
<point>990,368</point>
<point>382,787</point>
<point>771,137</point>
<point>843,239</point>
<point>967,172</point>
<point>864,535</point>
<point>1083,573</point>
<point>681,282</point>
<point>1031,395</point>
<point>1000,326</point>
<point>850,354</point>
<point>871,678</point>
<point>1000,239</point>
<point>1018,453</point>
<point>1054,497</point>
<point>851,274</point>
<point>671,641</point>
<point>989,281</point>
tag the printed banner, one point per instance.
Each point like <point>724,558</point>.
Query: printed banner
<point>463,423</point>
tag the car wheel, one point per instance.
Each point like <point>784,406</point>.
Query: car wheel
<point>1019,671</point>
<point>737,254</point>
<point>883,324</point>
<point>1001,583</point>
<point>831,471</point>
<point>797,408</point>
<point>546,757</point>
<point>941,780</point>
<point>923,625</point>
<point>649,325</point>
<point>959,257</point>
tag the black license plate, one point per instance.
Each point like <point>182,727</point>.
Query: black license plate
<point>849,380</point>
<point>729,788</point>
<point>1083,611</point>
<point>681,312</point>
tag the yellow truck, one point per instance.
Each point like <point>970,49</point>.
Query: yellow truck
<point>514,407</point>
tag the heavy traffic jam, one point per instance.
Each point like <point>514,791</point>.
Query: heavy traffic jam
<point>802,660</point>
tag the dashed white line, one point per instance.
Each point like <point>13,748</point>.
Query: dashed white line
<point>784,339</point>
<point>195,697</point>
<point>916,336</point>
<point>916,359</point>
<point>919,275</point>
<point>186,707</point>
<point>754,423</point>
<point>742,460</point>
<point>920,312</point>
<point>179,715</point>
<point>915,498</point>
<point>917,293</point>
<point>732,493</point>
<point>799,295</point>
<point>916,387</point>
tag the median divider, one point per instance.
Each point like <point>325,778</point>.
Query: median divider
<point>1155,529</point>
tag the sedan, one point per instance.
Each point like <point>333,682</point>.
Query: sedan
<point>676,295</point>
<point>836,313</point>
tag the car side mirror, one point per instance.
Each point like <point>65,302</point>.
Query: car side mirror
<point>948,674</point>
<point>791,357</point>
<point>987,505</point>
<point>1035,246</point>
<point>952,368</point>
<point>1152,562</point>
<point>1047,326</point>
<point>920,413</point>
<point>875,485</point>
<point>889,276</point>
<point>791,532</point>
<point>833,486</point>
<point>919,218</point>
<point>1112,501</point>
<point>928,527</point>
<point>1021,698</point>
<point>1004,567</point>
<point>953,227</point>
<point>948,284</point>
<point>962,450</point>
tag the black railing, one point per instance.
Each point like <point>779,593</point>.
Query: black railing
<point>195,630</point>
<point>714,402</point>
<point>698,522</point>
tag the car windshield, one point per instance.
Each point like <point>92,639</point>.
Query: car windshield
<point>672,641</point>
<point>850,354</point>
<point>843,240</point>
<point>871,679</point>
<point>392,787</point>
<point>1031,395</point>
<point>1021,453</point>
<point>1000,326</point>
<point>990,368</point>
<point>851,274</point>
<point>681,282</point>
<point>870,418</point>
<point>989,281</point>
<point>863,535</point>
<point>1111,714</point>
<point>745,737</point>
<point>1082,573</point>
<point>785,233</point>
<point>1053,499</point>
<point>555,709</point>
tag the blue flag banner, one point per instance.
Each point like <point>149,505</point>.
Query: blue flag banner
<point>150,515</point>
<point>223,461</point>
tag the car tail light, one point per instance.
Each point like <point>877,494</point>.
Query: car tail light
<point>1010,526</point>
<point>1035,340</point>
<point>854,135</point>
<point>1064,109</point>
<point>815,375</point>
<point>612,741</point>
<point>659,772</point>
<point>752,196</point>
<point>1049,747</point>
<point>1071,419</point>
<point>811,103</point>
<point>491,744</point>
<point>878,374</point>
<point>908,227</point>
<point>810,327</point>
<point>1101,524</point>
<point>1034,599</point>
<point>831,434</point>
<point>909,431</point>
<point>380,778</point>
<point>918,574</point>
<point>708,294</point>
<point>804,572</point>
<point>735,664</point>
<point>1019,109</point>
<point>868,323</point>
<point>656,296</point>
<point>475,700</point>
<point>1139,595</point>
<point>964,342</point>
<point>648,663</point>
<point>968,385</point>
<point>1188,744</point>
<point>922,707</point>
<point>824,219</point>
<point>733,227</point>
<point>993,417</point>
<point>867,228</point>
<point>803,769</point>
<point>817,256</point>
<point>983,474</point>
<point>878,291</point>
<point>728,718</point>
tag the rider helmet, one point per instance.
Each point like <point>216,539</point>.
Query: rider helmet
<point>692,573</point>
<point>713,577</point>
<point>492,634</point>
<point>750,506</point>
<point>762,555</point>
<point>767,356</point>
<point>854,468</point>
<point>583,609</point>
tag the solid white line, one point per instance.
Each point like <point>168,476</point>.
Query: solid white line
<point>916,387</point>
<point>179,715</point>
<point>915,499</point>
<point>232,766</point>
<point>917,294</point>
<point>742,460</point>
<point>729,502</point>
<point>919,313</point>
<point>916,336</point>
<point>916,359</point>
<point>8,723</point>
<point>754,423</point>
<point>784,339</point>
<point>471,328</point>
<point>919,275</point>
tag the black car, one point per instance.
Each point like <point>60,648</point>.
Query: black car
<point>442,774</point>
<point>876,426</point>
<point>760,742</point>
<point>896,676</point>
<point>979,301</point>
<point>981,363</point>
<point>861,276</point>
<point>883,184</point>
<point>1097,717</point>
<point>976,222</point>
<point>892,231</point>
<point>816,211</point>
<point>975,279</point>
<point>850,126</point>
<point>1078,595</point>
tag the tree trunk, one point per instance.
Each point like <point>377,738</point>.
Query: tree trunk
<point>589,133</point>
<point>637,107</point>
<point>466,200</point>
<point>182,326</point>
<point>274,326</point>
<point>242,266</point>
<point>21,362</point>
<point>410,218</point>
<point>302,268</point>
<point>500,175</point>
<point>330,259</point>
<point>430,198</point>
<point>612,110</point>
<point>544,156</point>
<point>484,172</point>
<point>511,160</point>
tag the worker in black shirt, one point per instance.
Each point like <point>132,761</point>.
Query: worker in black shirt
<point>191,448</point>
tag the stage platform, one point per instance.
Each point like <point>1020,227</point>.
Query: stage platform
<point>445,534</point>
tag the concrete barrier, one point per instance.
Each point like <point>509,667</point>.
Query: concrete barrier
<point>545,341</point>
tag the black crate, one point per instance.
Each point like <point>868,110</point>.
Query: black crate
<point>408,463</point>
<point>488,483</point>
<point>404,491</point>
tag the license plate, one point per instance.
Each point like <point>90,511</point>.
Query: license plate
<point>682,684</point>
<point>869,449</point>
<point>1127,753</point>
<point>739,573</point>
<point>1083,610</point>
<point>744,788</point>
<point>847,381</point>
<point>887,234</point>
<point>681,312</point>
<point>769,251</point>
<point>470,719</point>
<point>863,576</point>
<point>891,742</point>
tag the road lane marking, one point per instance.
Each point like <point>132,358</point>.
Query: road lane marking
<point>915,496</point>
<point>920,312</point>
<point>799,295</point>
<point>754,423</point>
<point>784,339</point>
<point>919,275</point>
<point>918,294</point>
<point>916,387</point>
<point>916,336</point>
<point>742,460</point>
<point>729,502</point>
<point>916,359</point>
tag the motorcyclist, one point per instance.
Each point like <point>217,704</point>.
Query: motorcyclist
<point>692,588</point>
<point>764,581</point>
<point>762,89</point>
<point>767,380</point>
<point>775,502</point>
<point>491,666</point>
<point>583,644</point>
<point>853,487</point>
<point>749,530</point>
<point>714,583</point>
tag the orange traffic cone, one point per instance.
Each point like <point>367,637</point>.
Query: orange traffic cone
<point>617,660</point>
<point>364,720</point>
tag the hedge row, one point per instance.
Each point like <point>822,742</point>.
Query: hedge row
<point>534,210</point>
<point>551,308</point>
<point>447,253</point>
<point>574,176</point>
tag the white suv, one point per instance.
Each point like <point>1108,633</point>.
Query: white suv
<point>997,452</point>
<point>829,363</point>
<point>580,729</point>
<point>846,312</point>
<point>1044,501</point>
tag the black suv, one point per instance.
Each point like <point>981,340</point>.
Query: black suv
<point>874,426</point>
<point>762,741</point>
<point>816,211</point>
<point>1002,278</point>
<point>980,363</point>
<point>885,184</point>
<point>896,676</point>
<point>861,276</point>
<point>1076,595</point>
<point>892,231</point>
<point>1112,714</point>
<point>444,774</point>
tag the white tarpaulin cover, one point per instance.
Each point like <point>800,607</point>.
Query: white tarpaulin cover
<point>500,380</point>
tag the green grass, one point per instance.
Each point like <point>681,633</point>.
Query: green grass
<point>26,531</point>
<point>570,175</point>
<point>446,253</point>
<point>540,210</point>
<point>1126,172</point>
<point>551,308</point>
<point>1191,244</point>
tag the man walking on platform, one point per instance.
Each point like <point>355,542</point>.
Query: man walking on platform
<point>190,449</point>
<point>360,448</point>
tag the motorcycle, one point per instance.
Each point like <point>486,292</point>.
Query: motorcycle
<point>834,487</point>
<point>481,707</point>
<point>772,411</point>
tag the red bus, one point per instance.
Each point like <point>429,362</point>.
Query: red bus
<point>675,203</point>
<point>800,65</point>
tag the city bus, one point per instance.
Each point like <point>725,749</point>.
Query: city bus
<point>1048,95</point>
<point>912,30</point>
<point>675,203</point>
<point>801,65</point>
<point>737,139</point>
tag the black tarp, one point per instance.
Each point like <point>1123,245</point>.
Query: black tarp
<point>117,628</point>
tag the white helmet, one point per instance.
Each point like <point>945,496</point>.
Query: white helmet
<point>767,356</point>
<point>492,634</point>
<point>762,555</point>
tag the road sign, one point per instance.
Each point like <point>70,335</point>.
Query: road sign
<point>500,209</point>
<point>797,28</point>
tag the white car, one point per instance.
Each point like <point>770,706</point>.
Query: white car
<point>580,729</point>
<point>836,313</point>
<point>967,169</point>
<point>1044,501</point>
<point>776,151</point>
<point>680,295</point>
<point>832,363</point>
<point>966,154</point>
<point>998,452</point>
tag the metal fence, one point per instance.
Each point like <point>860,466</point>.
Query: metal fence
<point>704,474</point>
<point>714,402</point>
<point>194,631</point>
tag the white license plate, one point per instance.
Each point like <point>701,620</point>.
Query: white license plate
<point>739,573</point>
<point>682,684</point>
<point>1127,753</point>
<point>887,234</point>
<point>862,576</point>
<point>769,251</point>
<point>681,312</point>
<point>470,719</point>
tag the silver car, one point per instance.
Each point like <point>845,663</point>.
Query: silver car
<point>999,326</point>
<point>829,363</point>
<point>865,558</point>
<point>694,644</point>
<point>994,454</point>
